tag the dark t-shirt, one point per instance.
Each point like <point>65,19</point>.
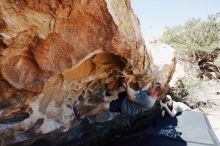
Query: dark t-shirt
<point>143,102</point>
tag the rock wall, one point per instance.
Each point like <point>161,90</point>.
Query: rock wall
<point>56,55</point>
<point>163,63</point>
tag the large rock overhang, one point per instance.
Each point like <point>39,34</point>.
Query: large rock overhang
<point>56,55</point>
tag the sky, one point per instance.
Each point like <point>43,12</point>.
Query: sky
<point>155,15</point>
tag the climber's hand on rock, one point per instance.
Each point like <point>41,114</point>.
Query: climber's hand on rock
<point>127,81</point>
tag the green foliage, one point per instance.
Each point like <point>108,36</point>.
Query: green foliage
<point>194,34</point>
<point>190,82</point>
<point>217,60</point>
<point>193,85</point>
<point>200,88</point>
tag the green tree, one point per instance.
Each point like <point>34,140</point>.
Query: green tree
<point>194,34</point>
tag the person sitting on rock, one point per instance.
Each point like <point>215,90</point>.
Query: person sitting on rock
<point>129,102</point>
<point>171,108</point>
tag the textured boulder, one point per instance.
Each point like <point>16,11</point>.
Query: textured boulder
<point>56,55</point>
<point>163,63</point>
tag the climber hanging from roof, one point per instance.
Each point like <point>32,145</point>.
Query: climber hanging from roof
<point>129,102</point>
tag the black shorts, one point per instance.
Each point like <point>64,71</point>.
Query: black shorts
<point>115,105</point>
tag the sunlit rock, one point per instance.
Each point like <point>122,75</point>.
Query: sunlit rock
<point>163,62</point>
<point>56,55</point>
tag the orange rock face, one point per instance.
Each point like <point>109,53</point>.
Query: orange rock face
<point>56,55</point>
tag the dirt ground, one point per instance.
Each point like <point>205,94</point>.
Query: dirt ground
<point>214,116</point>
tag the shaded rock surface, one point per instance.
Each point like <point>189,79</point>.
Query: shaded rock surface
<point>207,66</point>
<point>97,133</point>
<point>56,55</point>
